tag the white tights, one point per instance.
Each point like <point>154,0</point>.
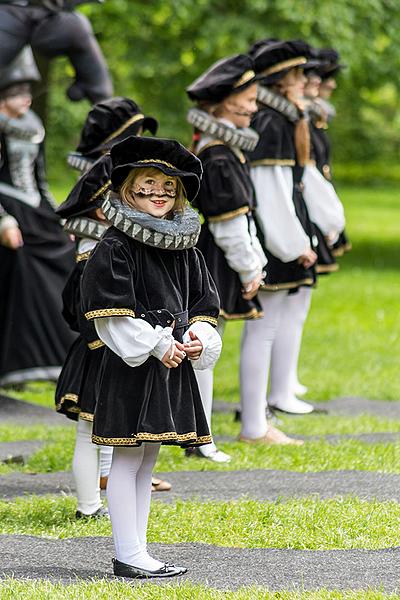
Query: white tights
<point>89,462</point>
<point>129,495</point>
<point>286,346</point>
<point>257,339</point>
<point>205,381</point>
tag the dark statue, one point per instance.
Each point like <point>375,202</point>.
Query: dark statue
<point>53,28</point>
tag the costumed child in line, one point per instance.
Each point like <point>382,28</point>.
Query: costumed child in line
<point>285,230</point>
<point>226,100</point>
<point>154,305</point>
<point>36,256</point>
<point>107,122</point>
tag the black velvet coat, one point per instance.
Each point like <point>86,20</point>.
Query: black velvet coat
<point>276,148</point>
<point>226,191</point>
<point>148,403</point>
<point>75,392</point>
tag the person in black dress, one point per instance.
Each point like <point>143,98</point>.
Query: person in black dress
<point>153,304</point>
<point>36,256</point>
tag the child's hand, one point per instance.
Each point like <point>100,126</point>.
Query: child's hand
<point>194,348</point>
<point>174,356</point>
<point>250,289</point>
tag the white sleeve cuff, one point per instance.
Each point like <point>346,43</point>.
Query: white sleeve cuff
<point>212,344</point>
<point>166,340</point>
<point>7,222</point>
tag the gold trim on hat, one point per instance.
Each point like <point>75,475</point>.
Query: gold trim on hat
<point>246,76</point>
<point>100,191</point>
<point>156,160</point>
<point>285,64</point>
<point>121,129</point>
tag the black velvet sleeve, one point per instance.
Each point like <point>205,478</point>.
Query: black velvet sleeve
<point>203,296</point>
<point>71,297</point>
<point>107,284</point>
<point>226,190</point>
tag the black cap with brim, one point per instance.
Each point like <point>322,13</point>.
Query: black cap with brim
<point>169,156</point>
<point>87,193</point>
<point>274,59</point>
<point>111,121</point>
<point>225,77</point>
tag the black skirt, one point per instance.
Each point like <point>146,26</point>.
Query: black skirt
<point>34,337</point>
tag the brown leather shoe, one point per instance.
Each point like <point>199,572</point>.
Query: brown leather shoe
<point>159,485</point>
<point>273,437</point>
<point>103,483</point>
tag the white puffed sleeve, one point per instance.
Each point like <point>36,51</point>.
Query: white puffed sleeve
<point>212,344</point>
<point>324,207</point>
<point>239,243</point>
<point>284,235</point>
<point>134,340</point>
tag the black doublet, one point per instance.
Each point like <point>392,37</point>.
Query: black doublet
<point>226,192</point>
<point>148,403</point>
<point>276,148</point>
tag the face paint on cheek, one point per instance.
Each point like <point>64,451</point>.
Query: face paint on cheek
<point>158,191</point>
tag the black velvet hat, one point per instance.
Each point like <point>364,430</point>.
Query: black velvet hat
<point>87,193</point>
<point>169,156</point>
<point>223,78</point>
<point>273,59</point>
<point>329,62</point>
<point>21,70</point>
<point>109,122</point>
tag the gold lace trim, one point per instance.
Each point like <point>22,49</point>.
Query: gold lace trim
<point>100,191</point>
<point>83,256</point>
<point>156,160</point>
<point>109,312</point>
<point>118,131</point>
<point>86,416</point>
<point>327,268</point>
<point>275,287</point>
<point>285,64</point>
<point>229,215</point>
<point>270,162</point>
<point>247,75</point>
<point>211,320</point>
<point>251,314</point>
<point>96,344</point>
<point>136,439</point>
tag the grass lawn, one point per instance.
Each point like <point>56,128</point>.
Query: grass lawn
<point>303,524</point>
<point>106,590</point>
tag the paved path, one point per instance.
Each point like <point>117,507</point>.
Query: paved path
<point>26,413</point>
<point>223,568</point>
<point>18,452</point>
<point>230,485</point>
<point>339,406</point>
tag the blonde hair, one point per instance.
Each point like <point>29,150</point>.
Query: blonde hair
<point>125,189</point>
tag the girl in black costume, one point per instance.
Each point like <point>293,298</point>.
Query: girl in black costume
<point>38,257</point>
<point>285,230</point>
<point>154,306</point>
<point>107,122</point>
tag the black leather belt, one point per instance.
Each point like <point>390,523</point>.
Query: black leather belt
<point>181,319</point>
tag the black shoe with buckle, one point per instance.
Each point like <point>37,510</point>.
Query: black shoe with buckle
<point>123,570</point>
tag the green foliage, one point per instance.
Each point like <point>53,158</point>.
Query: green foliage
<point>155,49</point>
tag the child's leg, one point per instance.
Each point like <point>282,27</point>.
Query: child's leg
<point>86,471</point>
<point>106,453</point>
<point>258,337</point>
<point>143,490</point>
<point>127,498</point>
<point>285,353</point>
